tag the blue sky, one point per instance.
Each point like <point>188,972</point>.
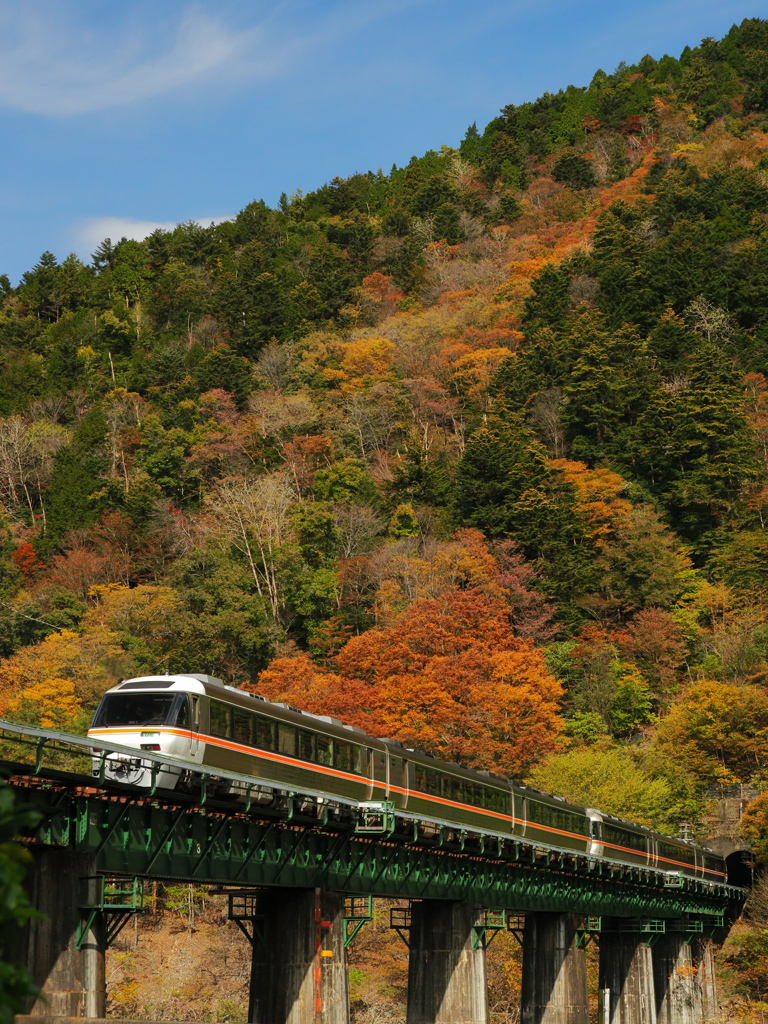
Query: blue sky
<point>117,117</point>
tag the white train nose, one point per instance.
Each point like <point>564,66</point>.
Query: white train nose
<point>123,768</point>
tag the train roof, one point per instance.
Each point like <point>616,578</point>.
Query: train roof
<point>198,682</point>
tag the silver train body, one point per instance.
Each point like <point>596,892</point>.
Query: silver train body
<point>199,720</point>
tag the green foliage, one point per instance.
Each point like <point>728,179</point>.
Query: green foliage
<point>221,368</point>
<point>643,565</point>
<point>15,983</point>
<point>585,727</point>
<point>505,487</point>
<point>632,706</point>
<point>68,499</point>
<point>184,900</point>
<point>403,522</point>
<point>344,482</point>
<point>574,170</point>
<point>612,779</point>
<point>618,162</point>
<point>223,622</point>
<point>315,526</point>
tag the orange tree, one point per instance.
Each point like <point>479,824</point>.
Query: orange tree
<point>448,676</point>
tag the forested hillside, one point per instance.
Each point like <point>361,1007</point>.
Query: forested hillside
<point>473,452</point>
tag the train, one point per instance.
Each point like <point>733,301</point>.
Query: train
<point>201,721</point>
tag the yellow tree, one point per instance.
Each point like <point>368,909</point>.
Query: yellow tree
<point>598,496</point>
<point>718,732</point>
<point>49,703</point>
<point>90,660</point>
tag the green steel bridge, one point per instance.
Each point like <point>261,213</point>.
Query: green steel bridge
<point>150,833</point>
<point>301,882</point>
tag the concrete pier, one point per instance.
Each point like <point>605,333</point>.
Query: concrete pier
<point>554,989</point>
<point>704,951</point>
<point>72,980</point>
<point>626,971</point>
<point>676,979</point>
<point>446,976</point>
<point>299,968</point>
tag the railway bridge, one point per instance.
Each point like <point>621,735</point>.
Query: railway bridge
<point>300,887</point>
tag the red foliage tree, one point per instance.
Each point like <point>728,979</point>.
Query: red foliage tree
<point>449,676</point>
<point>25,559</point>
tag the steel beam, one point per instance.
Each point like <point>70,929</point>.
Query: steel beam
<point>150,838</point>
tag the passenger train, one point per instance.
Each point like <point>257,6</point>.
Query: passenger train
<point>200,720</point>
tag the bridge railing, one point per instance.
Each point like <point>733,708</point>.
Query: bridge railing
<point>43,753</point>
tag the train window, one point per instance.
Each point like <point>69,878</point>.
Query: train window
<point>356,764</point>
<point>341,755</point>
<point>221,719</point>
<point>121,709</point>
<point>433,782</point>
<point>264,733</point>
<point>419,778</point>
<point>286,735</point>
<point>676,854</point>
<point>622,837</point>
<point>324,750</point>
<point>243,726</point>
<point>499,801</point>
<point>557,818</point>
<point>379,765</point>
<point>306,748</point>
<point>456,789</point>
<point>180,714</point>
<point>535,812</point>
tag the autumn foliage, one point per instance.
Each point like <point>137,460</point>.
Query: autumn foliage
<point>473,453</point>
<point>448,677</point>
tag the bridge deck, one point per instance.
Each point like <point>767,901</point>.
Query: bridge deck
<point>195,837</point>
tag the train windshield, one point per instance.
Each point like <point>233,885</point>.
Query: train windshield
<point>127,709</point>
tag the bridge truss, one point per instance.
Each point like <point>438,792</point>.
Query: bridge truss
<point>234,841</point>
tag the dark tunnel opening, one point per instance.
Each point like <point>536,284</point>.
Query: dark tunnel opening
<point>740,868</point>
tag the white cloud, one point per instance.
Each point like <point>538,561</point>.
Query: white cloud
<point>91,233</point>
<point>54,63</point>
<point>54,66</point>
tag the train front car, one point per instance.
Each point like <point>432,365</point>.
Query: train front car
<point>160,715</point>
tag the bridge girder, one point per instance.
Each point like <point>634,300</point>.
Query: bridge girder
<point>144,837</point>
